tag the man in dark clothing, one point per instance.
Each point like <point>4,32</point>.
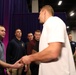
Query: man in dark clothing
<point>30,47</point>
<point>72,43</point>
<point>35,65</point>
<point>29,38</point>
<point>32,43</point>
<point>73,47</point>
<point>15,50</point>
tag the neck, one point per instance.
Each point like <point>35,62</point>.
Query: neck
<point>18,38</point>
<point>47,17</point>
<point>1,38</point>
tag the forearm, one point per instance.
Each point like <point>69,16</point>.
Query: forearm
<point>50,53</point>
<point>44,56</point>
<point>6,65</point>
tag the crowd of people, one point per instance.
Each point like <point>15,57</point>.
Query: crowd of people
<point>49,52</point>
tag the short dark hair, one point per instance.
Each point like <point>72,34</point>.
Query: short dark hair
<point>38,31</point>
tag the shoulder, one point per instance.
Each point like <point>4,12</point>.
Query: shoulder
<point>54,20</point>
<point>55,23</point>
<point>12,42</point>
<point>57,20</point>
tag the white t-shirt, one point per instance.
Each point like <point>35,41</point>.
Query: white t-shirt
<point>54,30</point>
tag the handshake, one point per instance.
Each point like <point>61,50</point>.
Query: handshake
<point>25,60</point>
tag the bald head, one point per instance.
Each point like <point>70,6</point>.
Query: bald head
<point>48,8</point>
<point>45,12</point>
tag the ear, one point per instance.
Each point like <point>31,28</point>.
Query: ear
<point>15,34</point>
<point>44,12</point>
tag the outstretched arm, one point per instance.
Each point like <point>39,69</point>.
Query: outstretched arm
<point>4,64</point>
<point>52,52</point>
<point>16,65</point>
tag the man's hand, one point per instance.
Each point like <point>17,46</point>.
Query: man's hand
<point>17,64</point>
<point>26,68</point>
<point>25,60</point>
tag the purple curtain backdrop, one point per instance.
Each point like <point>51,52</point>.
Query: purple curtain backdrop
<point>28,23</point>
<point>15,14</point>
<point>1,11</point>
<point>7,9</point>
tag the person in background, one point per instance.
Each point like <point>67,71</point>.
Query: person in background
<point>31,44</point>
<point>72,43</point>
<point>3,64</point>
<point>30,36</point>
<point>73,47</point>
<point>15,50</point>
<point>30,47</point>
<point>55,54</point>
<point>36,64</point>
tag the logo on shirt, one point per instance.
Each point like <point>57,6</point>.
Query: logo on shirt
<point>73,43</point>
<point>22,44</point>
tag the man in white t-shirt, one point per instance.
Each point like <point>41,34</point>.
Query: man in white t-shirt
<point>55,53</point>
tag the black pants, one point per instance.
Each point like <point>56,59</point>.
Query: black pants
<point>34,68</point>
<point>2,71</point>
<point>23,73</point>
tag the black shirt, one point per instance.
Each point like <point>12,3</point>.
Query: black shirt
<point>36,47</point>
<point>73,45</point>
<point>15,50</point>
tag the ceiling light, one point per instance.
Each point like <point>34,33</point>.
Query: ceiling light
<point>60,2</point>
<point>72,13</point>
<point>67,27</point>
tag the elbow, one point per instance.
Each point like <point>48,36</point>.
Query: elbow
<point>55,56</point>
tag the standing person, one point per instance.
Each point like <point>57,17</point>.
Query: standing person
<point>15,50</point>
<point>2,61</point>
<point>32,43</point>
<point>73,47</point>
<point>35,64</point>
<point>55,53</point>
<point>30,47</point>
<point>72,43</point>
<point>29,37</point>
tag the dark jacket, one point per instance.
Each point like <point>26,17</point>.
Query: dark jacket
<point>15,50</point>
